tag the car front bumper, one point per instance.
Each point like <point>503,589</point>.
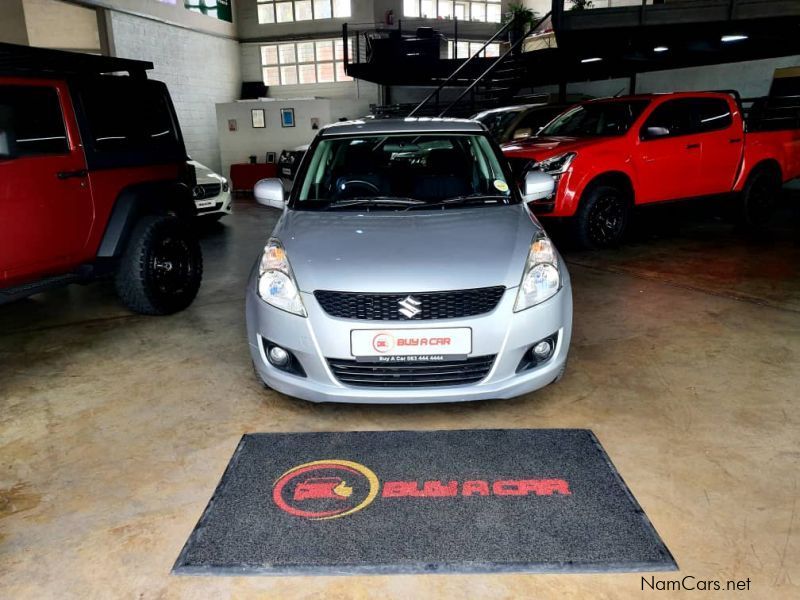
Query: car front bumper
<point>319,337</point>
<point>216,205</point>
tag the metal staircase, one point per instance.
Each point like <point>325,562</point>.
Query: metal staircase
<point>483,87</point>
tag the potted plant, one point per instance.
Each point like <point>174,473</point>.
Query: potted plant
<point>521,18</point>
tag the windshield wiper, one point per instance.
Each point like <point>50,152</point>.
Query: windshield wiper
<point>374,201</point>
<point>460,200</point>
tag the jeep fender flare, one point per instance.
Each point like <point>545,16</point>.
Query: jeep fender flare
<point>141,199</point>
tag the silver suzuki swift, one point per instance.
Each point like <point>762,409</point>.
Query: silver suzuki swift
<point>406,267</point>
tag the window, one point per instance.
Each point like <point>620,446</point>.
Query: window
<point>427,167</point>
<point>487,11</point>
<point>687,116</point>
<point>671,119</point>
<point>596,119</point>
<point>466,49</point>
<point>288,11</point>
<point>313,61</point>
<point>712,114</point>
<point>31,123</point>
<point>219,9</point>
<point>128,116</point>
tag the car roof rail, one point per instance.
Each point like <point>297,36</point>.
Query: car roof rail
<point>29,60</point>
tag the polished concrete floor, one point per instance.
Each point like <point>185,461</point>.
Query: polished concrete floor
<point>115,428</point>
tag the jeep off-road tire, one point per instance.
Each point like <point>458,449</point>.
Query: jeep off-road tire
<point>161,269</point>
<point>759,196</point>
<point>602,217</point>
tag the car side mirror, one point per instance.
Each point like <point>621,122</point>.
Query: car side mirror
<point>269,192</point>
<point>522,133</point>
<point>651,133</point>
<point>538,186</point>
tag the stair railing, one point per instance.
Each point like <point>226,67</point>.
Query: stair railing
<point>505,28</point>
<point>491,68</point>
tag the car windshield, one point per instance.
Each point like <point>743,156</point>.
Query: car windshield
<point>399,172</point>
<point>497,122</point>
<point>596,119</point>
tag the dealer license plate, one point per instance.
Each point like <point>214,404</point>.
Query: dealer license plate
<point>205,203</point>
<point>411,345</point>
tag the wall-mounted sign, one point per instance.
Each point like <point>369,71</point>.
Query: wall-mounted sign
<point>314,123</point>
<point>287,117</point>
<point>232,125</point>
<point>258,119</point>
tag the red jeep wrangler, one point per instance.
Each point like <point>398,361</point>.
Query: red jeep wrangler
<point>609,155</point>
<point>93,180</point>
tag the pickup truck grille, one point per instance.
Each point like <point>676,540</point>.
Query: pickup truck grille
<point>432,305</point>
<point>420,374</point>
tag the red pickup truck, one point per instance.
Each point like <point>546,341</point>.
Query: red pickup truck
<point>612,154</point>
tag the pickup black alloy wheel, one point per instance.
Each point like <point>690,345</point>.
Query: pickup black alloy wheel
<point>162,267</point>
<point>759,197</point>
<point>602,217</point>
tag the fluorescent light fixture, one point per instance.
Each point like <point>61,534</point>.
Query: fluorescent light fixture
<point>660,49</point>
<point>733,38</point>
<point>593,59</point>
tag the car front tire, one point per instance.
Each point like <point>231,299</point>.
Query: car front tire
<point>162,267</point>
<point>602,217</point>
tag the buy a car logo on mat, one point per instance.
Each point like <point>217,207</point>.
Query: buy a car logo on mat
<point>333,488</point>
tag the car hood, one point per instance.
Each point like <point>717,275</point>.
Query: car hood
<point>414,251</point>
<point>541,148</point>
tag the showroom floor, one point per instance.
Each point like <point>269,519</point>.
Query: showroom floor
<point>115,428</point>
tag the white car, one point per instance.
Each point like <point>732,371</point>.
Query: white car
<point>212,194</point>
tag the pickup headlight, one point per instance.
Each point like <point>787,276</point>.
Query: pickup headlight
<point>276,283</point>
<point>557,164</point>
<point>541,279</point>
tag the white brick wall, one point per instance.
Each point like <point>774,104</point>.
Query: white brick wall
<point>199,69</point>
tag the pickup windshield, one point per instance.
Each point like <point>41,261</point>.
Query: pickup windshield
<point>395,172</point>
<point>596,119</point>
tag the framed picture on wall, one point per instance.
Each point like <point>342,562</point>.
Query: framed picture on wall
<point>257,118</point>
<point>287,117</point>
<point>232,126</point>
<point>270,157</point>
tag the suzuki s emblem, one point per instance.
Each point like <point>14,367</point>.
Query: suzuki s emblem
<point>410,307</point>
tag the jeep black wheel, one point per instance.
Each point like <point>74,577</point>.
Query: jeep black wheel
<point>759,197</point>
<point>162,267</point>
<point>602,217</point>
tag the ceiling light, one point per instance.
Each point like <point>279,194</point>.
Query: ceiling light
<point>591,60</point>
<point>660,49</point>
<point>733,38</point>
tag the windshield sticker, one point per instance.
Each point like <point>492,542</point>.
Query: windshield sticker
<point>500,185</point>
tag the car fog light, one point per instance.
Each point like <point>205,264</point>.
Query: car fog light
<point>278,356</point>
<point>542,349</point>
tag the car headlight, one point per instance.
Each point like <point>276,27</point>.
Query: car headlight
<point>225,186</point>
<point>557,164</point>
<point>541,279</point>
<point>276,283</point>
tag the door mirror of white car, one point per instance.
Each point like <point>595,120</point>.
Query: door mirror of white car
<point>522,133</point>
<point>538,186</point>
<point>269,192</point>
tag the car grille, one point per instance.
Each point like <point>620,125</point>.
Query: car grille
<point>418,374</point>
<point>207,190</point>
<point>433,305</point>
